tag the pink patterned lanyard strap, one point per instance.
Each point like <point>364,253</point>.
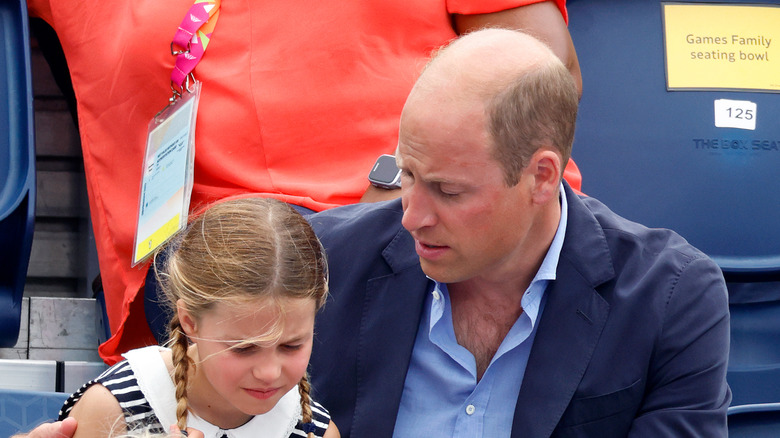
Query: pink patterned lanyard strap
<point>192,37</point>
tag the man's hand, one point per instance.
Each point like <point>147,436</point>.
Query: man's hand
<point>59,429</point>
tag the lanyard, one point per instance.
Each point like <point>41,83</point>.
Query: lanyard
<point>166,185</point>
<point>192,37</point>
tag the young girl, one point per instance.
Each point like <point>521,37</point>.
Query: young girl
<point>244,282</point>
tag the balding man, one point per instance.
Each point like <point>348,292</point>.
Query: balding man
<point>493,301</point>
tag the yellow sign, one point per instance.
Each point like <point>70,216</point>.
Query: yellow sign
<point>722,46</point>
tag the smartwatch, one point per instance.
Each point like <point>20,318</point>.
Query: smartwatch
<point>385,174</point>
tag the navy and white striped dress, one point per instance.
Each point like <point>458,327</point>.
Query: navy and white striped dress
<point>122,382</point>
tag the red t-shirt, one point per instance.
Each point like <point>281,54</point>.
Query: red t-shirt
<point>298,100</point>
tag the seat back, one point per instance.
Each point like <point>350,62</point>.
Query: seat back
<point>754,384</point>
<point>21,411</point>
<point>755,333</point>
<point>754,356</point>
<point>17,165</point>
<point>655,156</point>
<point>649,154</point>
<point>754,421</point>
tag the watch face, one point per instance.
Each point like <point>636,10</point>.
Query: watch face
<point>385,171</point>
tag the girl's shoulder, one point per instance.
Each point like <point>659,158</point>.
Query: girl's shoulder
<point>121,385</point>
<point>98,414</point>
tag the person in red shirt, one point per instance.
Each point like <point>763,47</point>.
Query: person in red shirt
<point>298,101</point>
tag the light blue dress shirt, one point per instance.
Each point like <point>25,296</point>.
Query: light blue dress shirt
<point>441,396</point>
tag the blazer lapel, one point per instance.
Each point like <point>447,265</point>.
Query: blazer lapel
<point>391,315</point>
<point>570,326</point>
<point>568,332</point>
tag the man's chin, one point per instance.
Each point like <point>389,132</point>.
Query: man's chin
<point>439,271</point>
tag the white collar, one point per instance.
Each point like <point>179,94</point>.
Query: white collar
<point>157,386</point>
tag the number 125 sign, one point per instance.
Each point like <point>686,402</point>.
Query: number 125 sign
<point>739,114</point>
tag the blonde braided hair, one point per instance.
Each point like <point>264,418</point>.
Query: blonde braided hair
<point>304,389</point>
<point>181,366</point>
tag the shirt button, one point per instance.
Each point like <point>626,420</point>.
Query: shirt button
<point>436,295</point>
<point>470,409</point>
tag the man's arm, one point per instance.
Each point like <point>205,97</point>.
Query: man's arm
<point>687,394</point>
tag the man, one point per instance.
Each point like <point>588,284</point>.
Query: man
<point>493,301</point>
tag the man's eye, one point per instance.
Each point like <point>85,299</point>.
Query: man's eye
<point>448,193</point>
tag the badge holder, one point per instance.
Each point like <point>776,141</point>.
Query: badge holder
<point>167,181</point>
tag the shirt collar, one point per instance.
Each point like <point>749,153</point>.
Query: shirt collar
<point>550,263</point>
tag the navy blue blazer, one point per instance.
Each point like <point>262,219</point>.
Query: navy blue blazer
<point>633,340</point>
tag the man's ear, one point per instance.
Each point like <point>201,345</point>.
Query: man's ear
<point>186,320</point>
<point>546,165</point>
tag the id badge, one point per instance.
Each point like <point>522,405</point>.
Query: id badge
<point>167,181</point>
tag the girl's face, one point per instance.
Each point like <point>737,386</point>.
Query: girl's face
<point>250,377</point>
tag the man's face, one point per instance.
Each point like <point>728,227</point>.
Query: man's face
<point>466,222</point>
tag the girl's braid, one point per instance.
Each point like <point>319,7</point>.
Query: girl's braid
<point>181,365</point>
<point>304,388</point>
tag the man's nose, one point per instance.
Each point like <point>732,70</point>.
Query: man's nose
<point>418,209</point>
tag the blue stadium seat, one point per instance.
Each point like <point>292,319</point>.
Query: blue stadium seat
<point>636,143</point>
<point>754,357</point>
<point>754,384</point>
<point>21,411</point>
<point>755,331</point>
<point>17,165</point>
<point>754,421</point>
<point>640,150</point>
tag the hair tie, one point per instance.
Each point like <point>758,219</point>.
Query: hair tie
<point>309,427</point>
<point>184,433</point>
